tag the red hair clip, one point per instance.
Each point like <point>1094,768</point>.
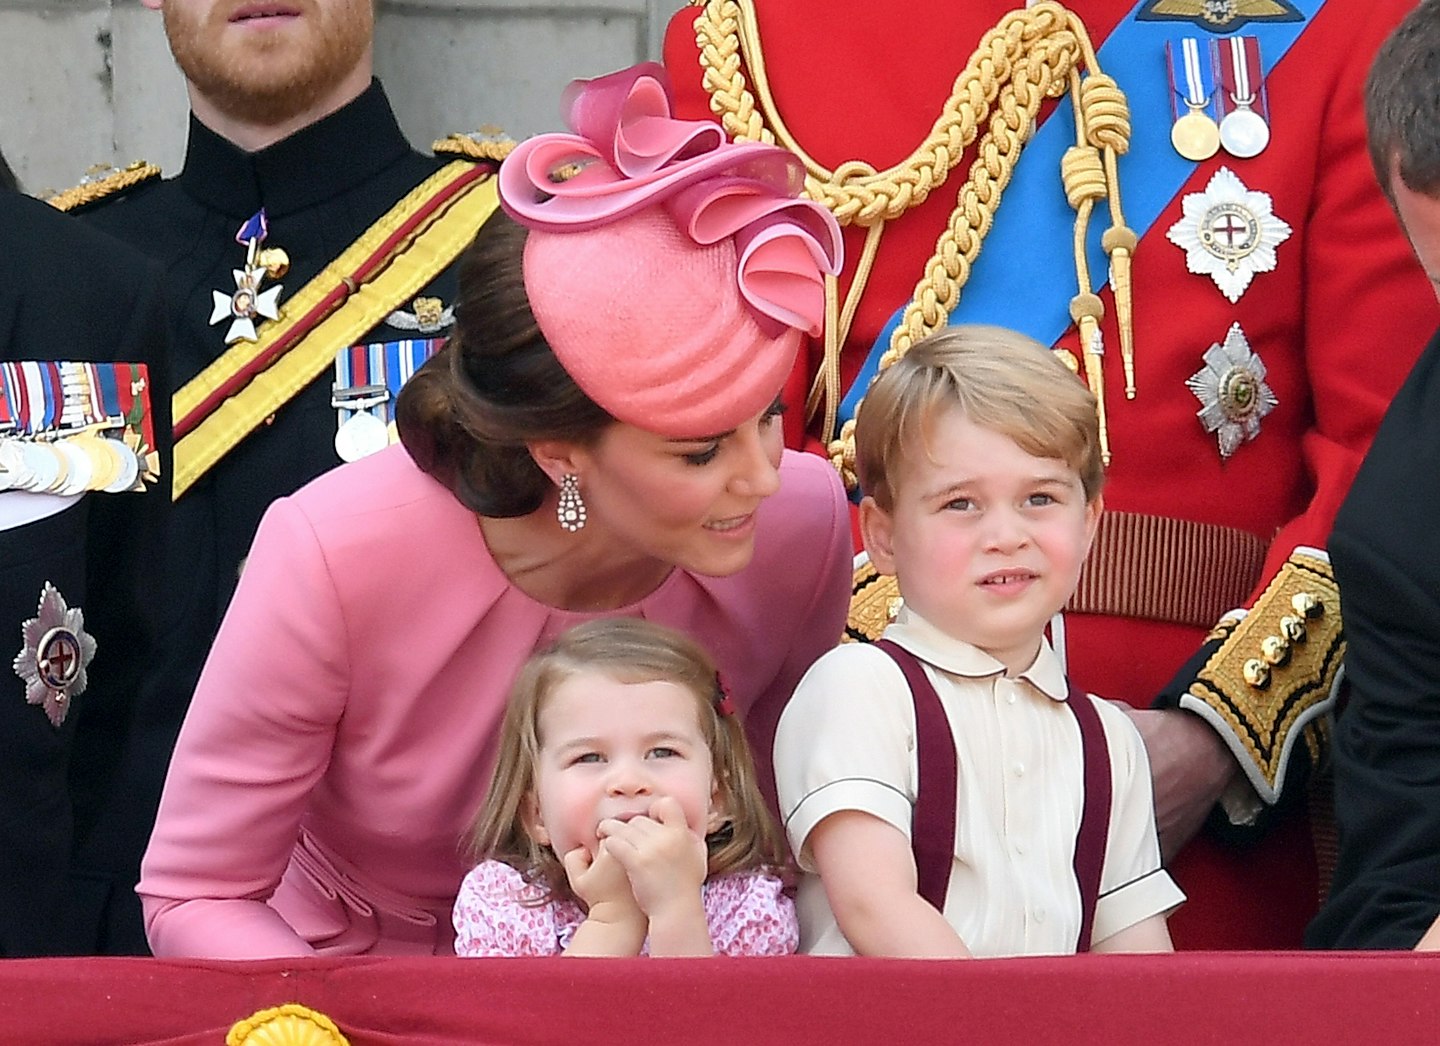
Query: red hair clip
<point>724,703</point>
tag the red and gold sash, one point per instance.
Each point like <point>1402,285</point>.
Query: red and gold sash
<point>386,267</point>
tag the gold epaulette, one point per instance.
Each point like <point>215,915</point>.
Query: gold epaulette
<point>874,601</point>
<point>487,143</point>
<point>1274,672</point>
<point>101,182</point>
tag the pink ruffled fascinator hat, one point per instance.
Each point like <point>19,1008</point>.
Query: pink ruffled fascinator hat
<point>676,273</point>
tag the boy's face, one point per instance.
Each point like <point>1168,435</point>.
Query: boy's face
<point>985,540</point>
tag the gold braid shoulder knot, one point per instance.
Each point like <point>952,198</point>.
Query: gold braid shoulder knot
<point>1031,55</point>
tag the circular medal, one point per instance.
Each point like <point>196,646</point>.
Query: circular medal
<point>104,463</point>
<point>363,433</point>
<point>12,465</point>
<point>129,470</point>
<point>42,464</point>
<point>1244,133</point>
<point>78,472</point>
<point>1195,136</point>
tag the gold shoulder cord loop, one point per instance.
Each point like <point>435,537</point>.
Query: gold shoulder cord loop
<point>1029,56</point>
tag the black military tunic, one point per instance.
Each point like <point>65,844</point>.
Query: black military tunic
<point>321,189</point>
<point>70,293</point>
<point>1386,552</point>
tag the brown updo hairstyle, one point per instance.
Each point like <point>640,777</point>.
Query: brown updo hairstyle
<point>466,416</point>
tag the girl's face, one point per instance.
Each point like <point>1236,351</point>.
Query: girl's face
<point>610,749</point>
<point>686,502</point>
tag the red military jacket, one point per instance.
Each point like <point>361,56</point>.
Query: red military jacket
<point>1336,325</point>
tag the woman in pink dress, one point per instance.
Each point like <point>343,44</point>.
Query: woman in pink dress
<point>599,438</point>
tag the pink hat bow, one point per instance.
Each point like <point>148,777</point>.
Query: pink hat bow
<point>628,153</point>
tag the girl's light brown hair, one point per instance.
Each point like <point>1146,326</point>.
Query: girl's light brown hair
<point>627,650</point>
<point>1000,380</point>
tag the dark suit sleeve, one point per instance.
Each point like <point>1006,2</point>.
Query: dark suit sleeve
<point>1386,549</point>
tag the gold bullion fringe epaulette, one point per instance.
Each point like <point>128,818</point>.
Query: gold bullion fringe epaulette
<point>487,143</point>
<point>288,1025</point>
<point>102,182</point>
<point>1275,671</point>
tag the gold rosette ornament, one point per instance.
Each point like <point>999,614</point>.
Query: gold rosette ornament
<point>288,1025</point>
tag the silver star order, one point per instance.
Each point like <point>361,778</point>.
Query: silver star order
<point>1232,391</point>
<point>57,650</point>
<point>1229,233</point>
<point>245,304</point>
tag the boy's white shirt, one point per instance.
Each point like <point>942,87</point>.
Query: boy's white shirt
<point>846,742</point>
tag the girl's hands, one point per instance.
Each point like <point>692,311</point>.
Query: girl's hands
<point>601,882</point>
<point>665,861</point>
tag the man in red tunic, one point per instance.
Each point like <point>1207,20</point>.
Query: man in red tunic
<point>1273,307</point>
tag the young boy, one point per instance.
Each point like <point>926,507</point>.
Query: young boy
<point>979,452</point>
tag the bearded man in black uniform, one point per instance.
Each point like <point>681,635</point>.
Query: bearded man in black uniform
<point>75,561</point>
<point>307,250</point>
<point>1386,552</point>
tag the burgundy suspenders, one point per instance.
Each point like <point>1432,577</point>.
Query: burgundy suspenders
<point>1095,815</point>
<point>932,825</point>
<point>932,831</point>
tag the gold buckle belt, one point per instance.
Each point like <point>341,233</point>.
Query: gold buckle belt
<point>1165,569</point>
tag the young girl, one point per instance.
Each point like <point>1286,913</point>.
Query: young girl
<point>624,816</point>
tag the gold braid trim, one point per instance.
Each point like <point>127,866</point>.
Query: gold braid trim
<point>488,143</point>
<point>288,1025</point>
<point>102,181</point>
<point>1272,679</point>
<point>1029,56</point>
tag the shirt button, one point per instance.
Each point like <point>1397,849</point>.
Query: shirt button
<point>1019,848</point>
<point>1019,769</point>
<point>1010,697</point>
<point>1039,915</point>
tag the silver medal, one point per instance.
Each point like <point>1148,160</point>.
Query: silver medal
<point>1244,133</point>
<point>360,435</point>
<point>129,468</point>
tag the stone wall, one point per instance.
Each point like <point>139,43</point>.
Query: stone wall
<point>91,81</point>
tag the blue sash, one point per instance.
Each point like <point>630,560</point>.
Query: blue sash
<point>1006,286</point>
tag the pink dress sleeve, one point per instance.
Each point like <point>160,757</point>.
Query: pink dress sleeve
<point>749,914</point>
<point>492,919</point>
<point>255,742</point>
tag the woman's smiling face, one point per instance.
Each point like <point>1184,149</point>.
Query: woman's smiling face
<point>687,502</point>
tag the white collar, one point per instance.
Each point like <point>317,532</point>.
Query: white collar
<point>959,658</point>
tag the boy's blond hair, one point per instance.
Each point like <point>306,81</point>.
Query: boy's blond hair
<point>628,650</point>
<point>1000,380</point>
